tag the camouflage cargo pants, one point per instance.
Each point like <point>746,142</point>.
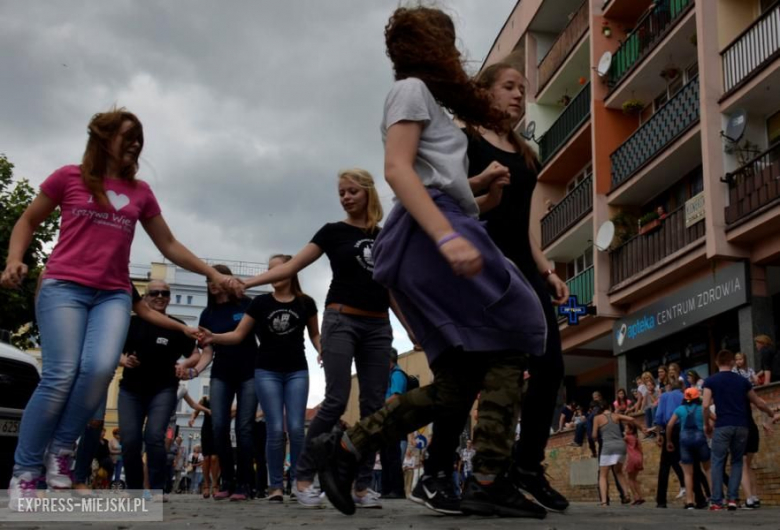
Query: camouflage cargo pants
<point>459,377</point>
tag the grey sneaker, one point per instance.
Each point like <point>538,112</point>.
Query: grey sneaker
<point>58,475</point>
<point>369,500</point>
<point>21,491</point>
<point>311,497</point>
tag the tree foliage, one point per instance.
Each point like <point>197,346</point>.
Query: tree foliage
<point>17,307</point>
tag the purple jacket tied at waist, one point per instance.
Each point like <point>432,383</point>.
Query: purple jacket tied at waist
<point>496,310</point>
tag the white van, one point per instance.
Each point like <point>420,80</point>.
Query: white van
<point>19,376</point>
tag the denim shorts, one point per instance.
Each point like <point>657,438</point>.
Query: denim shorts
<point>693,447</point>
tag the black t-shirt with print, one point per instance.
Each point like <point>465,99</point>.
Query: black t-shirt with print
<point>349,250</point>
<point>233,363</point>
<point>157,350</point>
<point>280,328</point>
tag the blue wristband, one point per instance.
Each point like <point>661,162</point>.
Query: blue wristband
<point>449,237</point>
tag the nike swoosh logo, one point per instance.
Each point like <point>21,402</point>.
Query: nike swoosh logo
<point>428,492</point>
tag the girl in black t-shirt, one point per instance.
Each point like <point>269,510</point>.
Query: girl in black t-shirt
<point>278,320</point>
<point>232,377</point>
<point>502,173</point>
<point>355,323</point>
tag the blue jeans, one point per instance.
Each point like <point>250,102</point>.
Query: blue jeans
<point>83,331</point>
<point>222,394</point>
<point>281,393</point>
<point>156,409</point>
<point>649,417</point>
<point>727,440</point>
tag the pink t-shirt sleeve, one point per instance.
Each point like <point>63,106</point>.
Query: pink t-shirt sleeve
<point>151,207</point>
<point>54,185</point>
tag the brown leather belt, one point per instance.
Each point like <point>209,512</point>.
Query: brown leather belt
<point>349,310</point>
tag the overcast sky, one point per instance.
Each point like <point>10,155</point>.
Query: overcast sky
<point>249,108</point>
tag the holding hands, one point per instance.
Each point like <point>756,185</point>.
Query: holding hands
<point>493,172</point>
<point>229,284</point>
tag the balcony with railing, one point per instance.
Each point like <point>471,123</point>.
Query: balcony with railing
<point>754,186</point>
<point>567,213</point>
<point>563,46</point>
<point>581,286</point>
<point>645,250</point>
<point>673,119</point>
<point>754,48</point>
<point>649,31</point>
<point>571,119</point>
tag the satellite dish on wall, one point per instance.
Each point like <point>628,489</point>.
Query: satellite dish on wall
<point>604,63</point>
<point>530,129</point>
<point>735,128</point>
<point>605,236</point>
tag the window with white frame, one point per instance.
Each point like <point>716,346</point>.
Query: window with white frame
<point>674,86</point>
<point>580,264</point>
<point>578,178</point>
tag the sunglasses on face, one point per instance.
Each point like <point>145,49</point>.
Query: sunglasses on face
<point>154,294</point>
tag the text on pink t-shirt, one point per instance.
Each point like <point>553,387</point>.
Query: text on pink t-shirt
<point>94,244</point>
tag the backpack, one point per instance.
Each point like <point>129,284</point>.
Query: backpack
<point>690,419</point>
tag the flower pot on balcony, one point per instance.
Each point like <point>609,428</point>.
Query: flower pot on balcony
<point>650,226</point>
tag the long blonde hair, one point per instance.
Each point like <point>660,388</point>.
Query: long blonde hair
<point>363,178</point>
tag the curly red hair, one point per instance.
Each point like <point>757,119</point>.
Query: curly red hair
<point>421,43</point>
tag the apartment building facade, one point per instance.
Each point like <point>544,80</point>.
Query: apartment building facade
<point>660,119</point>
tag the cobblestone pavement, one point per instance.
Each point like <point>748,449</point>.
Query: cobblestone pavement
<point>191,512</point>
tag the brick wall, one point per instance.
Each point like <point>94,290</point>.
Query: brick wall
<point>564,461</point>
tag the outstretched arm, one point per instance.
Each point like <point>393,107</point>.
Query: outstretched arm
<point>232,337</point>
<point>308,255</point>
<point>171,248</point>
<point>313,326</point>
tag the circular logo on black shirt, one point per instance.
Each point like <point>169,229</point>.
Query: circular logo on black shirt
<point>364,248</point>
<point>282,321</point>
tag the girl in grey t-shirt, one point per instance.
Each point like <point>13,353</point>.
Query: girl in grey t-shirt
<point>470,308</point>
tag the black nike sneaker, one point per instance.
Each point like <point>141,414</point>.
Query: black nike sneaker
<point>337,469</point>
<point>500,498</point>
<point>536,486</point>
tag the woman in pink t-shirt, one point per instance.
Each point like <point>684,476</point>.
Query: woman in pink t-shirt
<point>83,307</point>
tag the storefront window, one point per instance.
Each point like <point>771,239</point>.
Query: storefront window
<point>693,349</point>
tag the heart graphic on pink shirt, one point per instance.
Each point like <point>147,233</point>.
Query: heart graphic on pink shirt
<point>117,201</point>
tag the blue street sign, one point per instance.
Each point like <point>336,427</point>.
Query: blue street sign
<point>573,310</point>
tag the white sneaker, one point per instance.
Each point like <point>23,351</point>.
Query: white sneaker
<point>681,494</point>
<point>58,474</point>
<point>21,487</point>
<point>311,497</point>
<point>369,500</point>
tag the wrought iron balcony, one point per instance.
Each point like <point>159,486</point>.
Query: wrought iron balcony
<point>644,250</point>
<point>571,119</point>
<point>563,45</point>
<point>752,50</point>
<point>650,30</point>
<point>670,121</point>
<point>573,207</point>
<point>754,185</point>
